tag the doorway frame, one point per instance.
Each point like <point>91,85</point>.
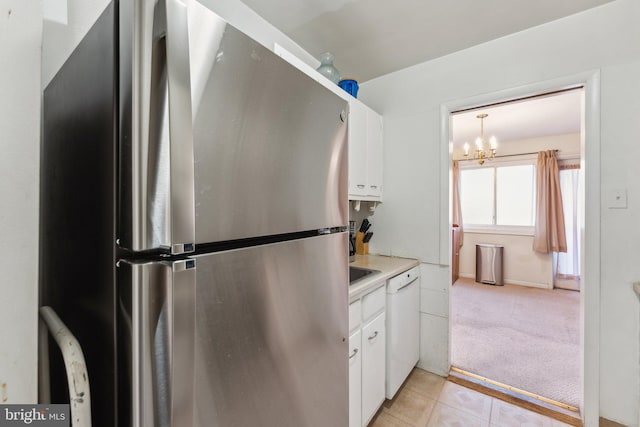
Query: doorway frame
<point>590,233</point>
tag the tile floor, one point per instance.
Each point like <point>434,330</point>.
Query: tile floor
<point>427,400</point>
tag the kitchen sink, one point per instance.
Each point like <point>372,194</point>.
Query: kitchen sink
<point>357,273</point>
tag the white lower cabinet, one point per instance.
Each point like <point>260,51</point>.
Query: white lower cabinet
<point>367,365</point>
<point>373,366</point>
<point>355,377</point>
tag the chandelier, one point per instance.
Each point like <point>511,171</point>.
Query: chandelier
<point>480,153</point>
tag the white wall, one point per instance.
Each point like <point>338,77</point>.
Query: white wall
<point>20,44</point>
<point>411,220</point>
<point>60,35</point>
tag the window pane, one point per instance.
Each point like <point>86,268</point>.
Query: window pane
<point>515,195</point>
<point>476,196</point>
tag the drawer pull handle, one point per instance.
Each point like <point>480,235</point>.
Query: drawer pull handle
<point>375,334</point>
<point>355,351</point>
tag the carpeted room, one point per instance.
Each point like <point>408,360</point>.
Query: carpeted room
<point>520,336</point>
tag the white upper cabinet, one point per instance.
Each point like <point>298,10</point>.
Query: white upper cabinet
<point>374,154</point>
<point>357,150</point>
<point>365,152</point>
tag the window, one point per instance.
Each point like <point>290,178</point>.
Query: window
<point>476,196</point>
<point>498,196</point>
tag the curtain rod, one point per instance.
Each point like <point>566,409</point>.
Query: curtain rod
<point>523,98</point>
<point>522,154</point>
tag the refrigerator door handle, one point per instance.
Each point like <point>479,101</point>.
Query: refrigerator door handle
<point>162,195</point>
<point>180,129</point>
<point>183,342</point>
<point>159,300</point>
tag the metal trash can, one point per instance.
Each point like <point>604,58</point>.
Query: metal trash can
<point>489,264</point>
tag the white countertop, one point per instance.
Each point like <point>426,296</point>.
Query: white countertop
<point>388,267</point>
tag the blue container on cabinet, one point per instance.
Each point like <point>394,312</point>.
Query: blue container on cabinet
<point>350,86</point>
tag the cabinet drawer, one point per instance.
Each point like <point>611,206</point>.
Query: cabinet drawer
<point>373,303</point>
<point>355,314</point>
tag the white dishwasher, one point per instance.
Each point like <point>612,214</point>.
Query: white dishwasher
<point>403,328</point>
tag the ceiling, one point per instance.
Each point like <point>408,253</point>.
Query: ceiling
<point>370,38</point>
<point>548,115</point>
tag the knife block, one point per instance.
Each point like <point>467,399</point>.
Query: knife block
<point>361,247</point>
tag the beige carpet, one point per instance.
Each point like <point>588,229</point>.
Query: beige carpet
<point>524,337</point>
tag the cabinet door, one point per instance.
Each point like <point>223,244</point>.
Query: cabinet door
<point>357,148</point>
<point>374,154</point>
<point>355,379</point>
<point>373,366</point>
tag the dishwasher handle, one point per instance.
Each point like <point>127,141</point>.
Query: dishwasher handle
<point>407,285</point>
<point>402,280</point>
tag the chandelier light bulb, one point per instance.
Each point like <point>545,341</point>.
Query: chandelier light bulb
<point>480,154</point>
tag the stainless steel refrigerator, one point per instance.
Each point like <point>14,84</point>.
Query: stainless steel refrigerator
<point>193,225</point>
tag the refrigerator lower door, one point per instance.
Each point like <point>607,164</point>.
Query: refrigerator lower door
<point>156,332</point>
<point>272,325</point>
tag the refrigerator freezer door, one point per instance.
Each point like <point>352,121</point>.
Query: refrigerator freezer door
<point>270,142</point>
<point>156,136</point>
<point>156,332</point>
<point>272,328</point>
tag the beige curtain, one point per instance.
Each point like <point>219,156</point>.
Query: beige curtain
<point>456,208</point>
<point>549,229</point>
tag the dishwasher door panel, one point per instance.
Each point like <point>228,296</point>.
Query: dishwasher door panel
<point>403,335</point>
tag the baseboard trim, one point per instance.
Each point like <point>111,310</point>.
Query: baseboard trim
<point>547,407</point>
<point>512,282</point>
